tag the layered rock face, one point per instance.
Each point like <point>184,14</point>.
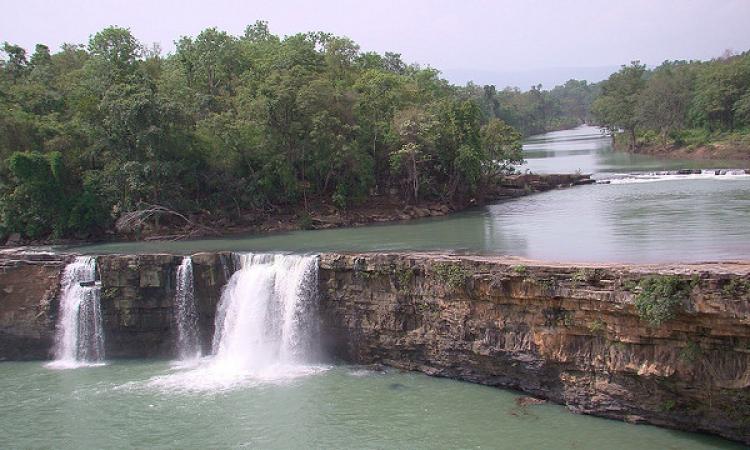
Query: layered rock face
<point>28,306</point>
<point>569,334</point>
<point>138,301</point>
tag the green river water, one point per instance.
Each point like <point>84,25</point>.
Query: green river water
<point>133,404</point>
<point>637,218</point>
<point>156,404</point>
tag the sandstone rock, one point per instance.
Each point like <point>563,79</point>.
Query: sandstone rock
<point>550,332</point>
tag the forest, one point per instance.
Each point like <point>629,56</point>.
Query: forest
<point>231,127</point>
<point>679,104</point>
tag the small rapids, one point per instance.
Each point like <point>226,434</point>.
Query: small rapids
<point>672,175</point>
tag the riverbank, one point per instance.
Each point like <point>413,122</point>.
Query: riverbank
<point>697,145</point>
<point>661,344</point>
<point>719,151</point>
<point>319,216</point>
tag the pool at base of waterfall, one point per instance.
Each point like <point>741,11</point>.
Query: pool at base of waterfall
<point>138,404</point>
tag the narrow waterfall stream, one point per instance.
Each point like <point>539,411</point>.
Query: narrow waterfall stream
<point>79,338</point>
<point>186,316</point>
<point>265,327</point>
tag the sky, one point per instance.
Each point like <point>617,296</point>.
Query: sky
<point>516,43</point>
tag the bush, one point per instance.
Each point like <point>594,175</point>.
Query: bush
<point>660,298</point>
<point>305,221</point>
<point>451,274</point>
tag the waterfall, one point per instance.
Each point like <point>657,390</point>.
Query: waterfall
<point>265,328</point>
<point>266,315</point>
<point>186,317</point>
<point>79,338</point>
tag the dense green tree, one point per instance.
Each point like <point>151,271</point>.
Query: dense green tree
<point>664,102</point>
<point>616,107</point>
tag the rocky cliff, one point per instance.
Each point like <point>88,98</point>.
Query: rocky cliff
<point>668,345</point>
<point>28,306</point>
<point>138,301</point>
<point>663,345</point>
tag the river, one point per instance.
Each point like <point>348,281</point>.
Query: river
<point>640,217</point>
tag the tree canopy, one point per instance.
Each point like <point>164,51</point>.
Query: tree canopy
<point>230,126</point>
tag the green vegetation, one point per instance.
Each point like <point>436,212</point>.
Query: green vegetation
<point>452,275</point>
<point>681,103</point>
<point>736,287</point>
<point>585,275</point>
<point>691,352</point>
<point>597,326</point>
<point>229,128</point>
<point>661,298</point>
<point>519,269</point>
<point>545,284</point>
<point>536,110</point>
<point>404,277</point>
<point>667,405</point>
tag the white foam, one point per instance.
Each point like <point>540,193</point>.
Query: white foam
<point>651,177</point>
<point>265,328</point>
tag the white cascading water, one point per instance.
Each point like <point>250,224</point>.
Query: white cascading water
<point>265,326</point>
<point>186,316</point>
<point>673,175</point>
<point>79,338</point>
<point>266,313</point>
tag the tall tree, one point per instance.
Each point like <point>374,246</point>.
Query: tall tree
<point>616,107</point>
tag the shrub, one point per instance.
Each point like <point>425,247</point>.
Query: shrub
<point>305,221</point>
<point>660,298</point>
<point>585,275</point>
<point>690,352</point>
<point>736,287</point>
<point>451,274</point>
<point>597,326</point>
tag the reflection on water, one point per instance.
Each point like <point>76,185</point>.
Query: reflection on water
<point>588,150</point>
<point>682,219</point>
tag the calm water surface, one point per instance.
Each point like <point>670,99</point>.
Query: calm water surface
<point>652,219</point>
<point>127,405</point>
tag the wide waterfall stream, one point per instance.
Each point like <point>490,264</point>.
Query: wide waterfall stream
<point>265,328</point>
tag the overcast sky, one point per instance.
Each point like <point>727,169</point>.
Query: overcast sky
<point>516,42</point>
